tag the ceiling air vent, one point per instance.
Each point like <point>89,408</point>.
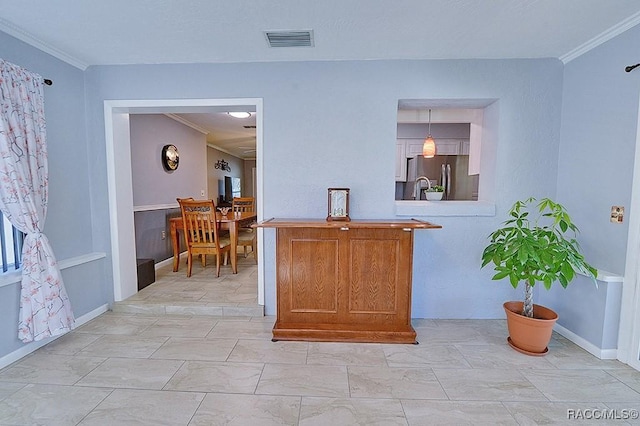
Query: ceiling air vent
<point>290,38</point>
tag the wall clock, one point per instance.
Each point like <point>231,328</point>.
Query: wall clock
<point>338,204</point>
<point>170,157</point>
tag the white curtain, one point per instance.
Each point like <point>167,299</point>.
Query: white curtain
<point>44,305</point>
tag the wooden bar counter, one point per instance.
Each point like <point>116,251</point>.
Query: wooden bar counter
<point>344,281</point>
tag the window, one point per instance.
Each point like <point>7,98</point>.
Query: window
<point>10,245</point>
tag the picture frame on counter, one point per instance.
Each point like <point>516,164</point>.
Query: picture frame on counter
<point>338,204</point>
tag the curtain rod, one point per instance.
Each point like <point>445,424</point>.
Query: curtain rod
<point>631,67</point>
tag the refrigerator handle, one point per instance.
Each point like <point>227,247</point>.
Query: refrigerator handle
<point>448,180</point>
<point>443,176</point>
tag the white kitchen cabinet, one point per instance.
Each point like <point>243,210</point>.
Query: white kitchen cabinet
<point>414,147</point>
<point>443,147</point>
<point>447,147</point>
<point>401,162</point>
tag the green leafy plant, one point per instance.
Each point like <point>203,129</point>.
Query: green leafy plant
<point>436,188</point>
<point>536,250</point>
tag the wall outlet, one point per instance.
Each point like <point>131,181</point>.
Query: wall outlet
<point>163,235</point>
<point>202,192</point>
<point>617,214</point>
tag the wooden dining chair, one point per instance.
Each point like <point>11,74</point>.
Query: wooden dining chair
<point>201,233</point>
<point>246,235</point>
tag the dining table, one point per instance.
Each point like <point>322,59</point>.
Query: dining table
<point>232,221</point>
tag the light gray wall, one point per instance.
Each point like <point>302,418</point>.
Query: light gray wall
<point>247,188</point>
<point>599,131</point>
<point>152,184</point>
<point>69,225</point>
<point>598,144</point>
<point>329,124</point>
<point>333,124</point>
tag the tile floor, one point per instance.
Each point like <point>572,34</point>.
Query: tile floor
<point>142,366</point>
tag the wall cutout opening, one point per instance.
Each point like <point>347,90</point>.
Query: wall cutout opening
<point>465,132</point>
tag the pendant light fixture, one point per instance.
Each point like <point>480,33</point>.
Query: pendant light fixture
<point>429,146</point>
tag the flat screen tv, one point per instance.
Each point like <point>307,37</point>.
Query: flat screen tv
<point>232,188</point>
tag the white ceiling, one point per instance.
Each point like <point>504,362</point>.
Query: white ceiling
<point>92,32</point>
<point>224,132</point>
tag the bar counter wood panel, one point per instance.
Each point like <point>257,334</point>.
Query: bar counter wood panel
<point>348,281</point>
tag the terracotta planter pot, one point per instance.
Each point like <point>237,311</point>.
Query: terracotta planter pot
<point>529,335</point>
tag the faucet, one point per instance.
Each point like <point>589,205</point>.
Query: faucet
<point>416,191</point>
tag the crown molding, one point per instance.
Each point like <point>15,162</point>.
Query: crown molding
<point>188,123</point>
<point>210,145</point>
<point>22,35</point>
<point>603,37</point>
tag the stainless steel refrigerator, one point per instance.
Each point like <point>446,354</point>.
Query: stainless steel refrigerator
<point>450,171</point>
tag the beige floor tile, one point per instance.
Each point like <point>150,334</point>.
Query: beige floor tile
<point>304,380</point>
<point>436,356</point>
<point>176,309</point>
<point>570,356</point>
<point>132,373</point>
<point>383,382</point>
<point>241,330</point>
<point>195,349</point>
<point>203,376</point>
<point>342,411</point>
<point>176,296</point>
<point>112,323</point>
<point>556,413</point>
<point>623,412</point>
<point>581,385</point>
<point>458,413</point>
<point>266,351</point>
<point>258,410</point>
<point>124,346</point>
<point>628,376</point>
<point>243,310</point>
<point>269,319</point>
<point>139,309</point>
<point>487,385</point>
<point>501,356</point>
<point>132,407</point>
<point>193,326</point>
<point>216,340</point>
<point>70,343</point>
<point>450,332</point>
<point>50,405</point>
<point>469,334</point>
<point>332,353</point>
<point>50,369</point>
<point>9,388</point>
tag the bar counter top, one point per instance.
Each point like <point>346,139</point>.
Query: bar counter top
<point>360,223</point>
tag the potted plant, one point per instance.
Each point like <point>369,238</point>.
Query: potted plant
<point>538,249</point>
<point>434,193</point>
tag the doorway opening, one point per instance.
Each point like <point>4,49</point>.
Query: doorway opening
<point>118,149</point>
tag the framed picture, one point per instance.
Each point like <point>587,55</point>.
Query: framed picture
<point>338,204</point>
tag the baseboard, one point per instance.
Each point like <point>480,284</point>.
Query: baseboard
<point>586,345</point>
<point>33,346</point>
<point>169,261</point>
